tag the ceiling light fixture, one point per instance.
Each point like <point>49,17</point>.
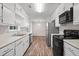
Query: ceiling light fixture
<point>39,7</point>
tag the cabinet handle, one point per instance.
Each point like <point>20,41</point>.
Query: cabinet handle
<point>7,51</point>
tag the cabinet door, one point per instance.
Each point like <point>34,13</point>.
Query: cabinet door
<point>68,6</point>
<point>76,15</point>
<point>19,48</point>
<point>8,16</point>
<point>0,10</point>
<point>26,42</point>
<point>10,53</point>
<point>10,6</point>
<point>76,4</point>
<point>19,10</point>
<point>59,11</point>
<point>6,50</point>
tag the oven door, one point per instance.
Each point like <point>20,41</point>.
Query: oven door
<point>57,46</point>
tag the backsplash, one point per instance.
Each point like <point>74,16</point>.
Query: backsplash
<point>3,29</point>
<point>68,26</point>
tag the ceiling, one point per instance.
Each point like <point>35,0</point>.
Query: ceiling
<point>35,16</point>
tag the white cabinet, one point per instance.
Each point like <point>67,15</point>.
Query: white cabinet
<point>10,6</point>
<point>19,10</point>
<point>16,48</point>
<point>22,45</point>
<point>8,50</point>
<point>76,4</point>
<point>60,9</point>
<point>19,48</point>
<point>21,15</point>
<point>76,14</point>
<point>8,16</point>
<point>10,53</point>
<point>25,43</point>
<point>70,50</point>
<point>68,6</point>
<point>0,10</point>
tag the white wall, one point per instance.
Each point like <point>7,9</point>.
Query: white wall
<point>39,28</point>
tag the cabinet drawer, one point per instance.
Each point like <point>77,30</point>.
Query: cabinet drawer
<point>19,48</point>
<point>10,53</point>
<point>6,49</point>
<point>8,16</point>
<point>10,6</point>
<point>18,42</point>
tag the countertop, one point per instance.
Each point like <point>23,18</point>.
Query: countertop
<point>73,42</point>
<point>6,39</point>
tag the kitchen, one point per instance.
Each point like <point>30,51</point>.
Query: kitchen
<point>39,29</point>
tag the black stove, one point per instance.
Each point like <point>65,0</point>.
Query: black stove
<point>58,45</point>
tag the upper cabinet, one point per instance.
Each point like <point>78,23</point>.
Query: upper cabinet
<point>67,6</point>
<point>20,11</point>
<point>60,9</point>
<point>21,15</point>
<point>76,14</point>
<point>14,14</point>
<point>8,16</point>
<point>0,10</point>
<point>10,6</point>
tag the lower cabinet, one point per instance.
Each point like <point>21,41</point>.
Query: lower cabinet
<point>17,48</point>
<point>8,50</point>
<point>10,53</point>
<point>22,45</point>
<point>69,50</point>
<point>25,43</point>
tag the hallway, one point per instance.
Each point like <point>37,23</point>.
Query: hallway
<point>39,48</point>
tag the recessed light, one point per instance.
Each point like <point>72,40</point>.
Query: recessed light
<point>39,7</point>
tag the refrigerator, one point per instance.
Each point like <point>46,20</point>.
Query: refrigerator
<point>51,30</point>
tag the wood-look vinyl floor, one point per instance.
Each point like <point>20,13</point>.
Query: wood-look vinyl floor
<point>39,48</point>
